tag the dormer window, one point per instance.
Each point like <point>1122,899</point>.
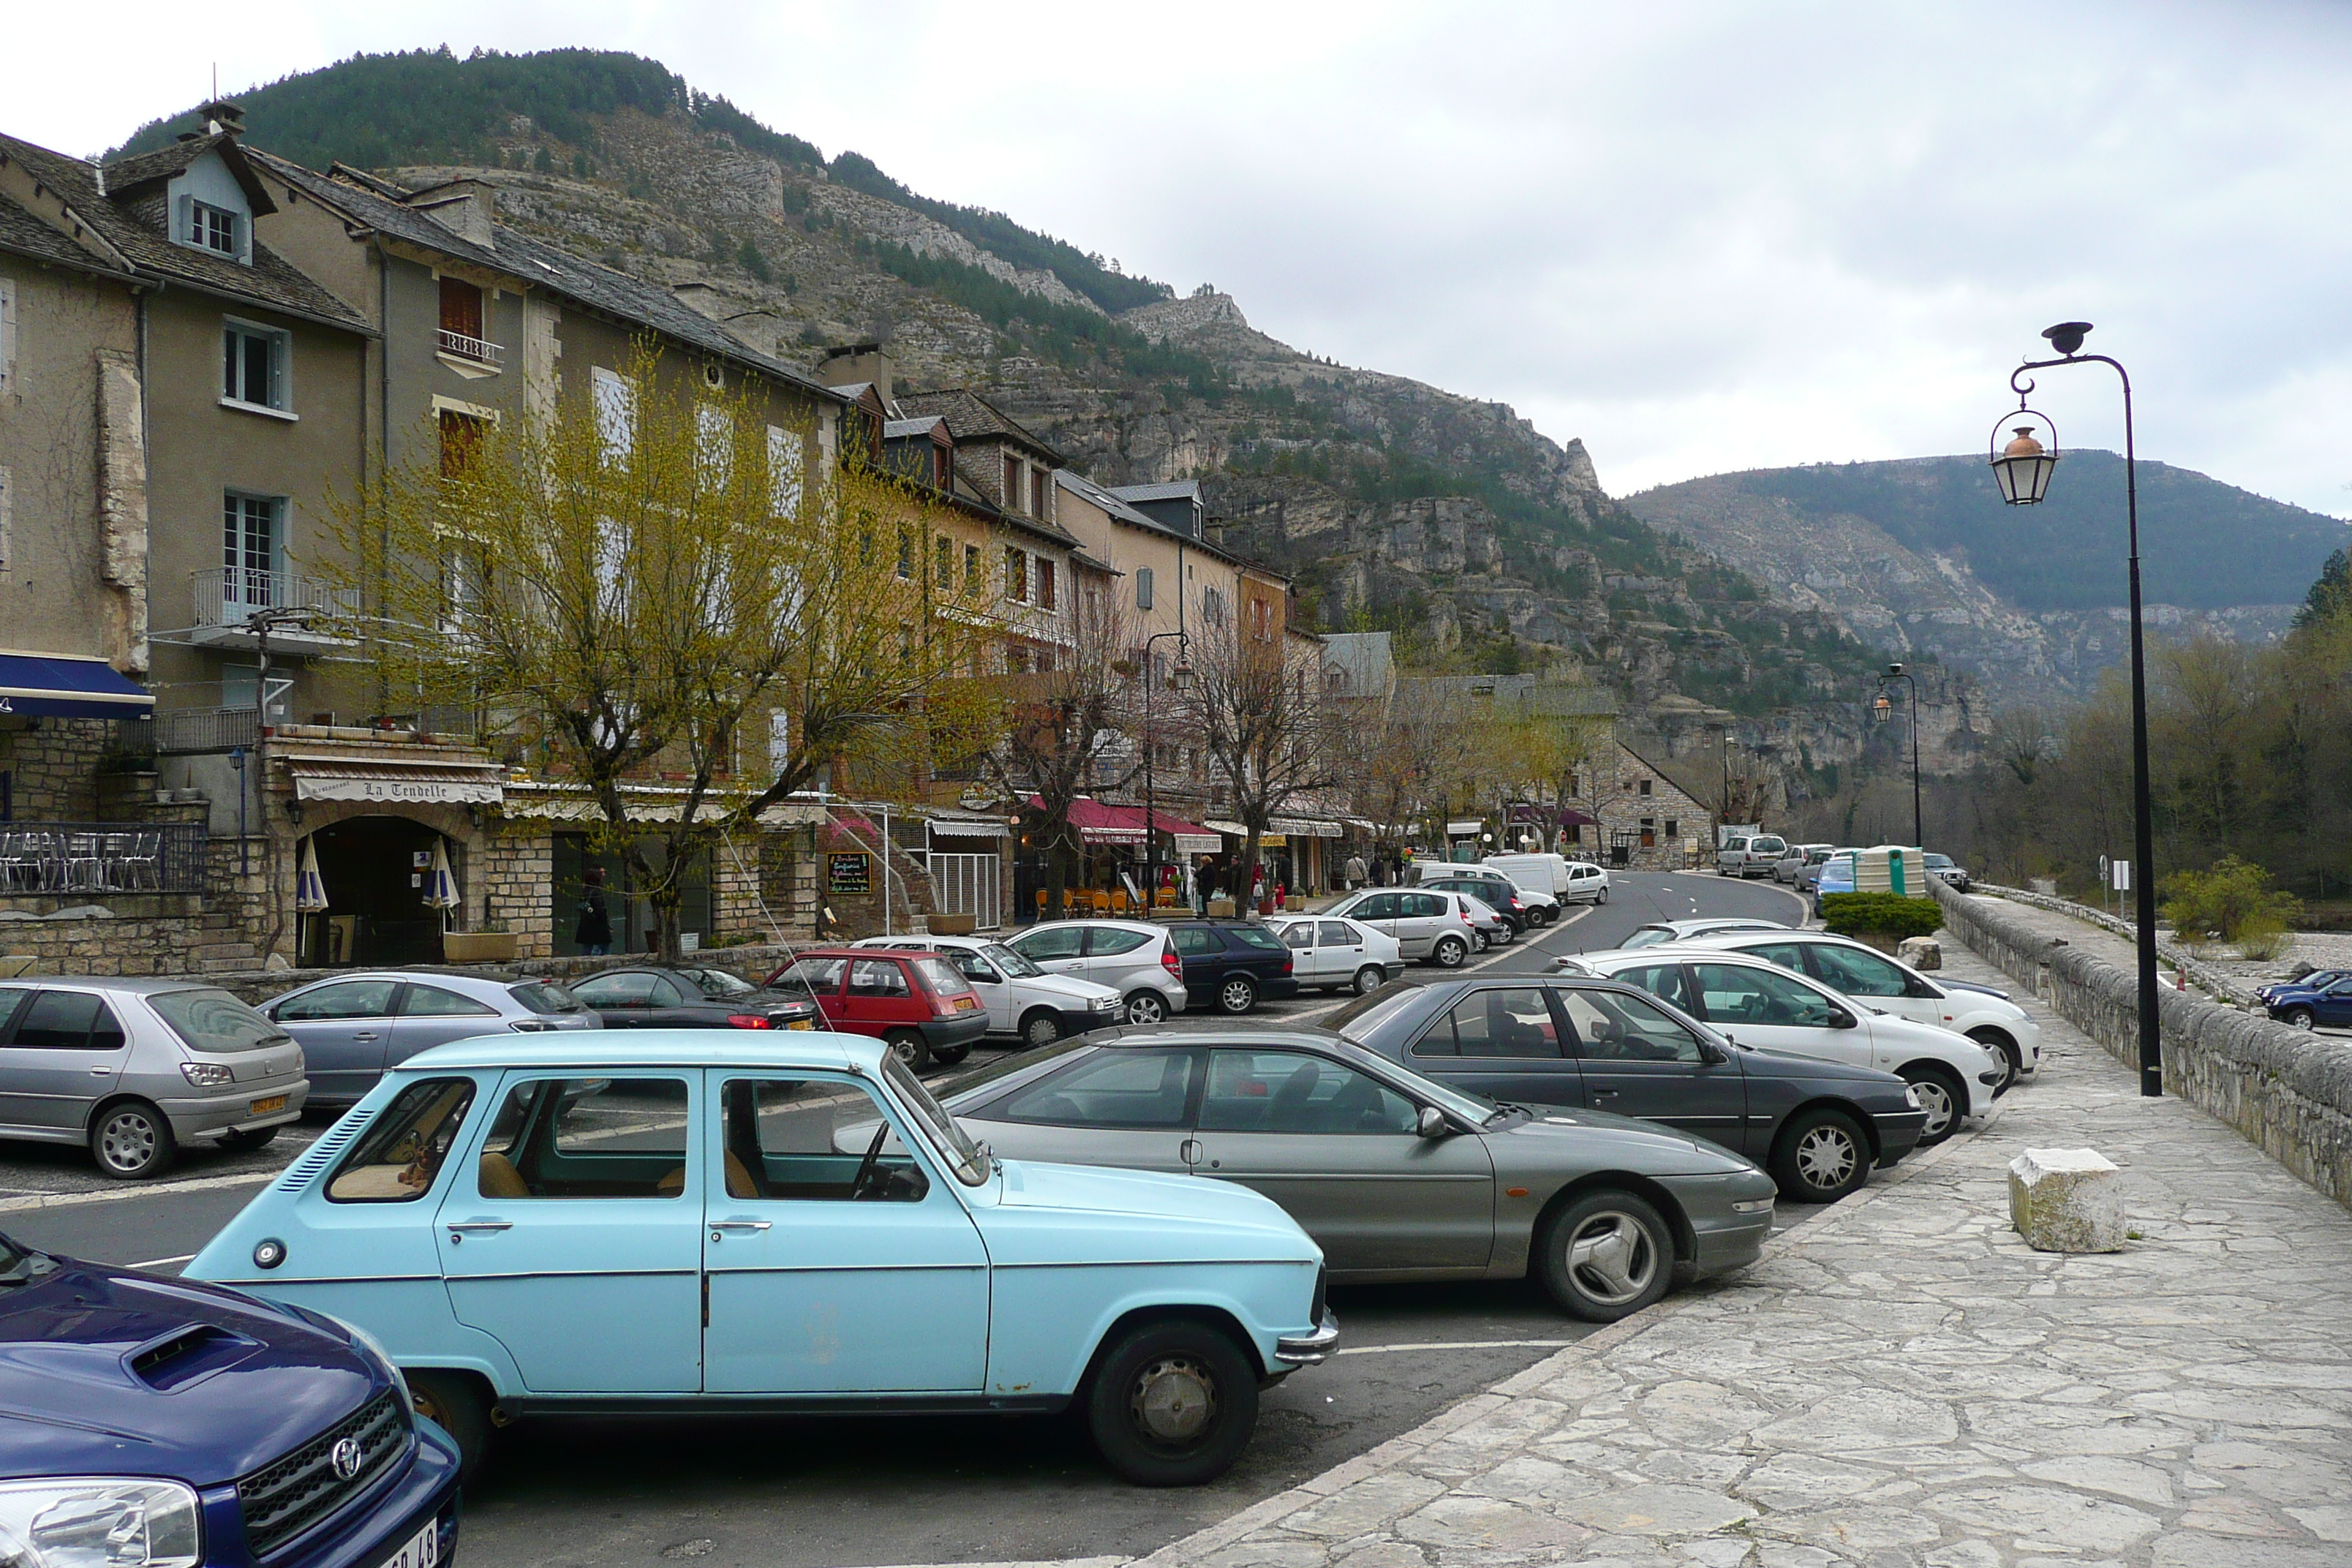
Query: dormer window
<point>215,229</point>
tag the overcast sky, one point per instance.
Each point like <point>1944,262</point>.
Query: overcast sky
<point>1700,237</point>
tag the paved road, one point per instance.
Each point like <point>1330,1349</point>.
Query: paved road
<point>785,1493</point>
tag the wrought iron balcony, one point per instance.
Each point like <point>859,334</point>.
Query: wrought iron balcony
<point>228,597</point>
<point>457,345</point>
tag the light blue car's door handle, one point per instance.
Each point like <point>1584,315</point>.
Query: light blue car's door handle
<point>478,1227</point>
<point>751,1226</point>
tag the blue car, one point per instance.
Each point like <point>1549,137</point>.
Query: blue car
<point>2323,997</point>
<point>668,1221</point>
<point>149,1423</point>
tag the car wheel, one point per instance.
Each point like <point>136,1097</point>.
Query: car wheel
<point>459,1407</point>
<point>131,1141</point>
<point>1172,1404</point>
<point>1450,952</point>
<point>1236,994</point>
<point>1942,1097</point>
<point>2004,1047</point>
<point>247,1140</point>
<point>1146,1008</point>
<point>2301,1018</point>
<point>948,1055</point>
<point>1603,897</point>
<point>1821,1157</point>
<point>1368,980</point>
<point>1605,1257</point>
<point>909,1047</point>
<point>1043,1026</point>
<point>1483,939</point>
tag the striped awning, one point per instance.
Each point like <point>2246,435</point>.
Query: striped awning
<point>395,781</point>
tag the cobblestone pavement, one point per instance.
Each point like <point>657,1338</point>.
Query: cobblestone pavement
<point>1901,1382</point>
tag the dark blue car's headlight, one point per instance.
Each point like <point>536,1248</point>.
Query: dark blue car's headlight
<point>112,1519</point>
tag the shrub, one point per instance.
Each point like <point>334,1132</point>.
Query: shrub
<point>2234,900</point>
<point>1880,914</point>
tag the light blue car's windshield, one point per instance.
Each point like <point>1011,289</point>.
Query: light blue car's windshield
<point>963,1155</point>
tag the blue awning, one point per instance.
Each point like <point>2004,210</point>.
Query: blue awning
<point>60,685</point>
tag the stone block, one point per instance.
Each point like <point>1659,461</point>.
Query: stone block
<point>2066,1200</point>
<point>1921,952</point>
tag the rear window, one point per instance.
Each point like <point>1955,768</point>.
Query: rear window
<point>1362,1018</point>
<point>1251,936</point>
<point>1115,939</point>
<point>209,1019</point>
<point>544,998</point>
<point>938,979</point>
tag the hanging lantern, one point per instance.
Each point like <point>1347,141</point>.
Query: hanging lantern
<point>2023,466</point>
<point>1881,709</point>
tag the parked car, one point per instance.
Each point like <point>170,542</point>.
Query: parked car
<point>1521,906</point>
<point>1762,1003</point>
<point>1232,964</point>
<point>1943,869</point>
<point>1871,977</point>
<point>1834,875</point>
<point>1656,932</point>
<point>1815,858</point>
<point>1745,858</point>
<point>160,1422</point>
<point>353,1027</point>
<point>1587,883</point>
<point>712,1251</point>
<point>912,1001</point>
<point>1329,952</point>
<point>1575,1042</point>
<point>1135,958</point>
<point>1793,859</point>
<point>2313,980</point>
<point>133,1069</point>
<point>1395,1176</point>
<point>647,997</point>
<point>1565,880</point>
<point>1022,1000</point>
<point>2308,1006</point>
<point>1445,929</point>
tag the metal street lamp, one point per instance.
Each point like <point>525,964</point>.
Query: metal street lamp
<point>2023,471</point>
<point>1180,678</point>
<point>1883,709</point>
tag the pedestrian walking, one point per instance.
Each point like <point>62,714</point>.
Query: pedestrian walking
<point>1352,872</point>
<point>594,933</point>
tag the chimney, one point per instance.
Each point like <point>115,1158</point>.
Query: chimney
<point>221,115</point>
<point>467,208</point>
<point>854,363</point>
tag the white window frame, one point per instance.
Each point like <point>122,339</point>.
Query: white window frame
<point>240,231</point>
<point>615,399</point>
<point>281,364</point>
<point>233,590</point>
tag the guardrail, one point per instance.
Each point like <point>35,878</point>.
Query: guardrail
<point>479,350</point>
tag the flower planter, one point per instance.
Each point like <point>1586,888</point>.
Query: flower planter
<point>949,925</point>
<point>478,947</point>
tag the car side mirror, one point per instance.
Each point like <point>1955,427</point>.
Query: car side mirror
<point>1841,1019</point>
<point>1713,1055</point>
<point>1430,1122</point>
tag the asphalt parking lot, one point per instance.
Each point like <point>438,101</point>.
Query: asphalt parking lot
<point>867,1492</point>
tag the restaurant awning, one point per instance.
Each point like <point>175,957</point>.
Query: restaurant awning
<point>67,685</point>
<point>438,783</point>
<point>1469,824</point>
<point>1099,823</point>
<point>1305,827</point>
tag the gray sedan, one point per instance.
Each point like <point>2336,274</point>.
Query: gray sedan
<point>355,1025</point>
<point>1395,1176</point>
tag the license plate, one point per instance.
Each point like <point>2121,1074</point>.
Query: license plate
<point>264,1107</point>
<point>800,1024</point>
<point>422,1550</point>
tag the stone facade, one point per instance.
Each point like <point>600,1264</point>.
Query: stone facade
<point>517,871</point>
<point>51,766</point>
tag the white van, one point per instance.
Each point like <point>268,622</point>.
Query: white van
<point>1570,882</point>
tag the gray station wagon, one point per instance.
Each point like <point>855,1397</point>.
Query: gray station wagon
<point>136,1068</point>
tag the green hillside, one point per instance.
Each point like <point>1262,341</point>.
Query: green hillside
<point>2204,545</point>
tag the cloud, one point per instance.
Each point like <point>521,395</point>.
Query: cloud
<point>1701,236</point>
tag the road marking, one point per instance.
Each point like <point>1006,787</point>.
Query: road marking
<point>159,1262</point>
<point>149,1190</point>
<point>1460,1345</point>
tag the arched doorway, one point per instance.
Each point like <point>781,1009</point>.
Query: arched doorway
<point>374,871</point>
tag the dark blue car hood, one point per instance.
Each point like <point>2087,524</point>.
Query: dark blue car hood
<point>226,1383</point>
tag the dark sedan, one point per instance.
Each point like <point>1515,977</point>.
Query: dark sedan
<point>2321,999</point>
<point>1578,1042</point>
<point>1232,964</point>
<point>693,997</point>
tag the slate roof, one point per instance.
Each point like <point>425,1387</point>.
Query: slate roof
<point>376,203</point>
<point>271,282</point>
<point>1178,490</point>
<point>971,417</point>
<point>125,174</point>
<point>1112,501</point>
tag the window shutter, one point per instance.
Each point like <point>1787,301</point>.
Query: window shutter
<point>1143,587</point>
<point>8,334</point>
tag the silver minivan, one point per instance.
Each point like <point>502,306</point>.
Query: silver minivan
<point>136,1068</point>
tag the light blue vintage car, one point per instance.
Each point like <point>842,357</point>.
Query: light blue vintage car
<point>662,1222</point>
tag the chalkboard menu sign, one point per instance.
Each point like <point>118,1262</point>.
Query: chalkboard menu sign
<point>848,873</point>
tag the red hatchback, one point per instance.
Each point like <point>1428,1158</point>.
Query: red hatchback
<point>914,1001</point>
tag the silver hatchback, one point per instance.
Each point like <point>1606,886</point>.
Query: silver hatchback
<point>134,1068</point>
<point>354,1028</point>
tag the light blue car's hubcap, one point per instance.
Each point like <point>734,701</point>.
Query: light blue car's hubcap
<point>1611,1259</point>
<point>1174,1399</point>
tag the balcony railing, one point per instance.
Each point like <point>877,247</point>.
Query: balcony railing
<point>187,731</point>
<point>481,350</point>
<point>228,596</point>
<point>102,857</point>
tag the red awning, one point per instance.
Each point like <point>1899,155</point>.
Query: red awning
<point>1099,822</point>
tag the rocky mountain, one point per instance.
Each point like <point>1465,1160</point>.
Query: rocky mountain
<point>1920,555</point>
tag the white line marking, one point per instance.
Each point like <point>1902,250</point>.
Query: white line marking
<point>159,1262</point>
<point>150,1190</point>
<point>1458,1345</point>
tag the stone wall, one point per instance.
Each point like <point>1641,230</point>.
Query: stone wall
<point>52,764</point>
<point>2288,1091</point>
<point>518,875</point>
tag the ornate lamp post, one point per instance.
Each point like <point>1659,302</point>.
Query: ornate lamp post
<point>2022,471</point>
<point>1180,678</point>
<point>1882,711</point>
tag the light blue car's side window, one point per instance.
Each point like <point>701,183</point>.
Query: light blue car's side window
<point>588,1138</point>
<point>813,1139</point>
<point>397,1157</point>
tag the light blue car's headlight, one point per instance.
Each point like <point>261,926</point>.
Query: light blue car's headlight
<point>98,1521</point>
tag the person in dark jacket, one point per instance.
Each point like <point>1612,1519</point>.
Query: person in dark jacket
<point>594,933</point>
